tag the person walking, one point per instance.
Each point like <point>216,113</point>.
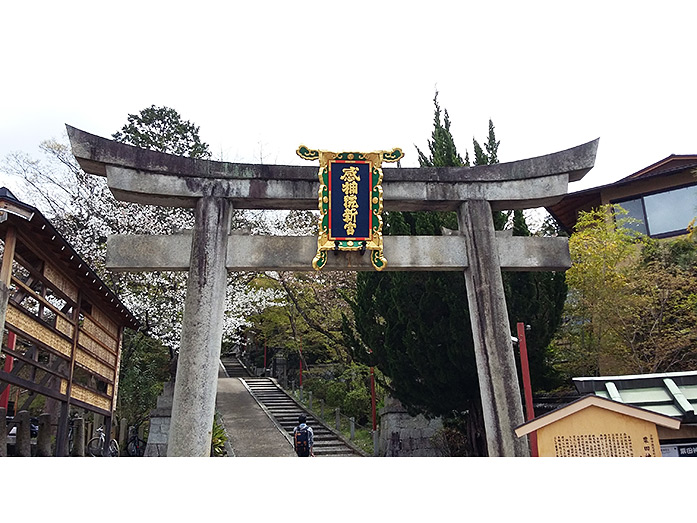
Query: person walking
<point>303,438</point>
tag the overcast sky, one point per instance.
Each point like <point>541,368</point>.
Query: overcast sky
<point>261,78</point>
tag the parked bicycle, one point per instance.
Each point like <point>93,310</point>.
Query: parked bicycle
<point>72,431</point>
<point>71,436</point>
<point>95,446</point>
<point>135,446</point>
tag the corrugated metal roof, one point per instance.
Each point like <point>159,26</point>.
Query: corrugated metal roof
<point>672,394</point>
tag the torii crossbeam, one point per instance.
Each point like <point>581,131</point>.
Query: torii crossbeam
<point>209,251</point>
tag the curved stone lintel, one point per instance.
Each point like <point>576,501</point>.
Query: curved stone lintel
<point>151,177</point>
<point>178,191</point>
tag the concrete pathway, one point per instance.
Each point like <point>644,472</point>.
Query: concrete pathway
<point>251,432</point>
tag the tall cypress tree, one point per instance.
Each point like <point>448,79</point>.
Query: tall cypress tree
<point>442,146</point>
<point>415,326</point>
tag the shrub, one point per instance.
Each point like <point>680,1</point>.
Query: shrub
<point>357,404</point>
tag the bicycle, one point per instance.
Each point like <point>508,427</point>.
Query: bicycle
<point>95,446</point>
<point>135,446</point>
<point>71,437</point>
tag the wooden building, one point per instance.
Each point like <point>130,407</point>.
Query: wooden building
<point>671,394</point>
<point>63,326</point>
<point>661,196</point>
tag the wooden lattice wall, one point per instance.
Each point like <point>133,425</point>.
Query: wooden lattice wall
<point>64,327</point>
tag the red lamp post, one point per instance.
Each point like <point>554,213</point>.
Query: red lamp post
<point>300,350</point>
<point>527,387</point>
<point>372,398</point>
<point>9,363</point>
<point>265,365</point>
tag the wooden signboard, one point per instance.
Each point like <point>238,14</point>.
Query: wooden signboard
<point>596,427</point>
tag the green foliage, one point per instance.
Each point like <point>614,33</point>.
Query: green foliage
<point>415,327</point>
<point>162,129</point>
<point>441,145</point>
<point>662,335</point>
<point>347,387</point>
<point>145,366</point>
<point>601,254</point>
<point>218,439</point>
<point>492,146</point>
<point>335,392</point>
<point>418,329</point>
<point>480,157</point>
<point>632,300</point>
<point>680,253</point>
<point>357,404</point>
<point>306,316</point>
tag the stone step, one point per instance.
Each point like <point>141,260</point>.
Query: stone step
<point>285,410</point>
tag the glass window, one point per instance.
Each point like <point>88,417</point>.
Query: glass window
<point>672,210</point>
<point>635,210</point>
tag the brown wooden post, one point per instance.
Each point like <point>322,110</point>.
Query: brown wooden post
<point>6,275</point>
<point>62,431</point>
<point>8,255</point>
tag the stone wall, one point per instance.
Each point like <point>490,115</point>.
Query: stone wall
<point>402,435</point>
<point>159,423</point>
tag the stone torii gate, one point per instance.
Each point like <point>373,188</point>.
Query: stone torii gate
<point>213,188</point>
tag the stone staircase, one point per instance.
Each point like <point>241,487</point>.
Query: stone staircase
<point>234,368</point>
<point>284,410</point>
<point>278,405</point>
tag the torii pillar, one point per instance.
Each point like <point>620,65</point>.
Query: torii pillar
<point>213,188</point>
<point>493,350</point>
<point>190,431</point>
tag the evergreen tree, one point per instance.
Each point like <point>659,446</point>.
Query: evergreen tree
<point>480,157</point>
<point>162,129</point>
<point>492,146</point>
<point>442,147</point>
<point>415,327</point>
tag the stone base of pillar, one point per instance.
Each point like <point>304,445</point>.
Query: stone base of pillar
<point>402,435</point>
